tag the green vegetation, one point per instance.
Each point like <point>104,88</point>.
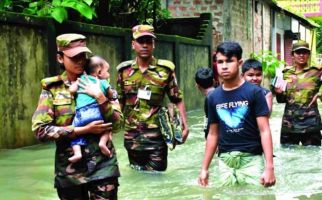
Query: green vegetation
<point>104,12</point>
<point>269,62</point>
<point>319,39</point>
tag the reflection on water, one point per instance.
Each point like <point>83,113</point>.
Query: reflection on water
<point>27,173</point>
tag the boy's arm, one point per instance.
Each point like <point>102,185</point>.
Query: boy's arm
<point>268,177</point>
<point>211,146</point>
<point>269,100</point>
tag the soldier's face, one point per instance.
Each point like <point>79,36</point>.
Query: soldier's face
<point>73,65</point>
<point>228,68</point>
<point>301,57</point>
<point>253,76</point>
<point>143,46</point>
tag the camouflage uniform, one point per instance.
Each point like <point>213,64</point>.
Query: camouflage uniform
<point>52,121</point>
<point>300,122</point>
<point>142,132</point>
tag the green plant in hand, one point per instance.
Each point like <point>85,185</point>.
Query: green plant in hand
<point>269,62</point>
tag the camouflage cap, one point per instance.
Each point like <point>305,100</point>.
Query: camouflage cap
<point>72,44</point>
<point>143,30</point>
<point>300,45</point>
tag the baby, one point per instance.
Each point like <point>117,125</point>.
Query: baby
<point>87,108</point>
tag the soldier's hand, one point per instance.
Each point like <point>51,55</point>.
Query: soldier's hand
<point>278,90</point>
<point>185,133</point>
<point>98,127</point>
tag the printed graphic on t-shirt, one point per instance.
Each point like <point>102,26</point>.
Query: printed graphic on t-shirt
<point>232,114</point>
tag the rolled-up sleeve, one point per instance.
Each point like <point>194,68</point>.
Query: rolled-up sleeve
<point>174,93</point>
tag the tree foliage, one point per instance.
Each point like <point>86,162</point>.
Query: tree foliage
<point>105,12</point>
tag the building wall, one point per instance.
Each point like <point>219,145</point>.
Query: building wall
<point>193,8</point>
<point>232,20</point>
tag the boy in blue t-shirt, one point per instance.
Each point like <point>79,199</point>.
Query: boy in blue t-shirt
<point>87,108</point>
<point>238,118</point>
<point>204,78</point>
<point>252,71</point>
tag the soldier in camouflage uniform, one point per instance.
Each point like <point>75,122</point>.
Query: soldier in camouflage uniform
<point>96,175</point>
<point>142,84</point>
<point>301,120</point>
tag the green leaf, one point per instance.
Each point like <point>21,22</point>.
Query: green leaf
<point>30,11</point>
<point>56,3</point>
<point>59,14</point>
<point>84,10</point>
<point>34,4</point>
<point>69,3</point>
<point>43,12</point>
<point>4,3</point>
<point>88,2</point>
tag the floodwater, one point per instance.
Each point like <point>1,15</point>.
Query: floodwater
<point>27,173</point>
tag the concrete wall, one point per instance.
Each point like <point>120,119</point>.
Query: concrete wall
<point>28,54</point>
<point>23,61</point>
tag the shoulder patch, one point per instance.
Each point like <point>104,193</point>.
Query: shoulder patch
<point>166,63</point>
<point>124,64</point>
<point>46,82</point>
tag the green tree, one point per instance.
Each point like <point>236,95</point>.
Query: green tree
<point>105,12</point>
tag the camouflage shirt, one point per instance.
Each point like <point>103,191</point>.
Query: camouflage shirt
<point>141,114</point>
<point>52,121</point>
<point>301,88</point>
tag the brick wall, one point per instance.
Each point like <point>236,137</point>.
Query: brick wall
<point>193,8</point>
<point>287,50</point>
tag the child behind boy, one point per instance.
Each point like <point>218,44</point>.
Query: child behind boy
<point>252,72</point>
<point>239,125</point>
<point>204,78</point>
<point>87,108</point>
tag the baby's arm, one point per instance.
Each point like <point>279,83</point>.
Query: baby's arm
<point>73,87</point>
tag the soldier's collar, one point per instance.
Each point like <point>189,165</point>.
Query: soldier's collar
<point>306,68</point>
<point>64,78</point>
<point>152,65</point>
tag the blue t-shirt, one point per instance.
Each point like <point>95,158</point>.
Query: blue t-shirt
<point>83,99</point>
<point>235,112</point>
<point>265,91</point>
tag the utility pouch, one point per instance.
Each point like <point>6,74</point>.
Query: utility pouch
<point>171,125</point>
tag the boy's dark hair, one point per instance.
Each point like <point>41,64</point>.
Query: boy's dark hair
<point>252,64</point>
<point>230,49</point>
<point>204,77</point>
<point>92,65</point>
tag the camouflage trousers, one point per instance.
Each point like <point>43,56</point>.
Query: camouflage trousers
<point>146,150</point>
<point>105,189</point>
<point>311,138</point>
